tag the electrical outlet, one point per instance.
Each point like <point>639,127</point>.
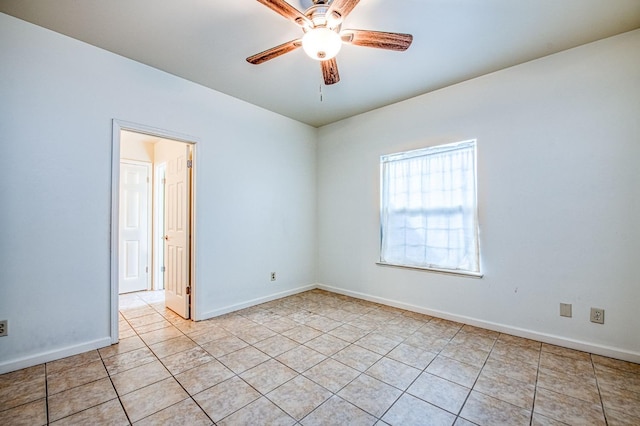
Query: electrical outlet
<point>273,276</point>
<point>597,315</point>
<point>4,328</point>
<point>565,310</point>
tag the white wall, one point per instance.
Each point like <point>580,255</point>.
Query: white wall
<point>255,177</point>
<point>559,197</point>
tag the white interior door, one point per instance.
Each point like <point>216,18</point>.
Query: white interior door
<point>134,227</point>
<point>177,225</point>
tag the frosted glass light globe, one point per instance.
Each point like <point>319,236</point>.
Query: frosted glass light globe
<point>321,43</point>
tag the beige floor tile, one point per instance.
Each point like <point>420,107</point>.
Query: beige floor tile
<point>281,325</point>
<point>302,333</point>
<point>226,398</point>
<point>357,357</point>
<point>301,358</point>
<point>567,409</point>
<point>255,334</point>
<point>243,359</point>
<point>504,351</point>
<point>521,371</point>
<point>30,414</point>
<point>204,376</point>
<point>519,341</point>
<point>561,363</point>
<point>72,361</point>
<point>20,387</point>
<point>145,320</point>
<point>617,378</point>
<point>348,333</point>
<point>183,361</point>
<point>327,344</point>
<point>506,389</point>
<point>627,366</point>
<point>172,346</point>
<point>439,392</point>
<point>259,412</point>
<point>299,396</point>
<point>411,411</point>
<point>185,412</point>
<point>75,376</point>
<point>622,400</point>
<point>585,389</point>
<point>108,413</point>
<point>322,323</point>
<point>466,352</point>
<point>570,353</point>
<point>331,374</point>
<point>426,341</point>
<point>80,398</point>
<point>378,343</point>
<point>224,345</point>
<point>455,371</point>
<point>138,377</point>
<point>124,345</point>
<point>411,355</point>
<point>371,395</point>
<point>153,398</point>
<point>276,345</point>
<point>208,335</point>
<point>128,360</point>
<point>393,373</point>
<point>267,376</point>
<point>338,412</point>
<point>485,410</point>
<point>618,417</point>
<point>540,420</point>
<point>157,336</point>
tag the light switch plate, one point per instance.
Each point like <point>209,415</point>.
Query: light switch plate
<point>565,310</point>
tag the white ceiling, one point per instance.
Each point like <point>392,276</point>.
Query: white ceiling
<point>207,41</point>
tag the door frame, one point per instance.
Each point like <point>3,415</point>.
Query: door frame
<point>149,167</point>
<point>117,127</point>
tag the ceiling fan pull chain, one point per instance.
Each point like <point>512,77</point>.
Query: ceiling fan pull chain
<point>320,92</point>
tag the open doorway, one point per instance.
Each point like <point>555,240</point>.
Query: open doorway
<point>153,199</point>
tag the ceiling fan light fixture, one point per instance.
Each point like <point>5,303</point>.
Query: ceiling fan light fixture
<point>321,43</point>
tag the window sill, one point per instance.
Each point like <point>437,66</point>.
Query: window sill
<point>437,270</point>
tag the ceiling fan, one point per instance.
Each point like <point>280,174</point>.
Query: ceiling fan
<point>323,36</point>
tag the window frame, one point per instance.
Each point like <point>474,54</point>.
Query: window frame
<point>421,152</point>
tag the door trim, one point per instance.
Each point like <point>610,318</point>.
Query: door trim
<point>117,126</point>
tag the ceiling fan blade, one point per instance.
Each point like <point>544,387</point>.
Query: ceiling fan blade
<point>284,9</point>
<point>330,71</point>
<point>274,52</point>
<point>378,39</point>
<point>342,7</point>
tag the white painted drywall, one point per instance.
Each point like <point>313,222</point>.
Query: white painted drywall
<point>559,197</point>
<point>255,177</point>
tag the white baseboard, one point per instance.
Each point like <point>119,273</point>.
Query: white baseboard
<point>254,302</point>
<point>502,328</point>
<point>30,361</point>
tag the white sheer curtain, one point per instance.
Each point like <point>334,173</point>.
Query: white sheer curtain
<point>428,208</point>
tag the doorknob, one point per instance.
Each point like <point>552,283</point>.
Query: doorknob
<point>166,237</point>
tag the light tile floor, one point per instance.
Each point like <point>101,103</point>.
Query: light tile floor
<point>318,358</point>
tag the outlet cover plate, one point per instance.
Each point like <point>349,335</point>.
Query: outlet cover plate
<point>597,315</point>
<point>565,310</point>
<point>4,328</point>
<point>273,276</point>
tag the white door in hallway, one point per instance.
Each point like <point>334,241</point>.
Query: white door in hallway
<point>177,225</point>
<point>134,227</point>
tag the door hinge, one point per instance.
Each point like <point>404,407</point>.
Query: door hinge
<point>164,181</point>
<point>189,164</point>
<point>163,269</point>
<point>188,290</point>
<point>146,269</point>
<point>147,179</point>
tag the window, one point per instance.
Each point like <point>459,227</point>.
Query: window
<point>428,212</point>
